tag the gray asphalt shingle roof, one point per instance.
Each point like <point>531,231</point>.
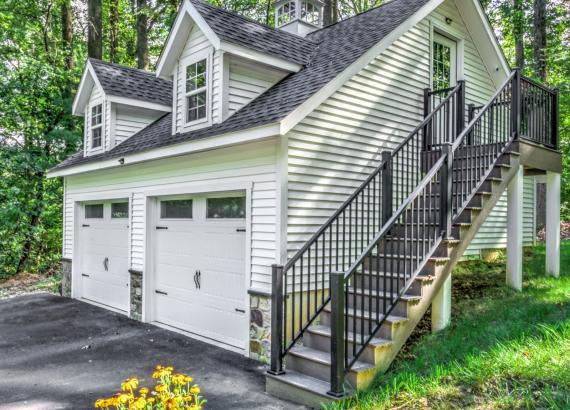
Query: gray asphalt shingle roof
<point>336,48</point>
<point>236,29</point>
<point>127,82</point>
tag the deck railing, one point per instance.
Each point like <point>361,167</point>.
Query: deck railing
<point>301,287</point>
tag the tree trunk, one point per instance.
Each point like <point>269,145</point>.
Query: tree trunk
<point>267,12</point>
<point>518,32</point>
<point>67,32</point>
<point>540,38</point>
<point>95,28</point>
<point>114,30</point>
<point>330,12</point>
<point>142,35</point>
<point>34,222</point>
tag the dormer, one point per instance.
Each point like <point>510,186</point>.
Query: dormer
<point>116,102</point>
<point>299,17</point>
<point>219,61</point>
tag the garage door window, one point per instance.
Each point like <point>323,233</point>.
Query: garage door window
<point>94,211</point>
<point>226,208</point>
<point>176,209</point>
<point>120,210</point>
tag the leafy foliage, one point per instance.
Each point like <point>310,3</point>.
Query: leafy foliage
<point>37,83</point>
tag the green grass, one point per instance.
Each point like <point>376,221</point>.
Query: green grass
<point>504,349</point>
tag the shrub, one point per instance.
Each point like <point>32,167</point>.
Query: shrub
<point>173,391</point>
<point>564,232</point>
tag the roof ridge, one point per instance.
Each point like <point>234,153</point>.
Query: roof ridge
<point>250,20</point>
<point>351,17</point>
<point>122,66</point>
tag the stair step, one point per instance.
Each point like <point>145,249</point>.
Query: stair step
<point>317,363</point>
<point>298,387</point>
<point>366,314</point>
<point>381,294</point>
<point>326,331</point>
<point>324,358</point>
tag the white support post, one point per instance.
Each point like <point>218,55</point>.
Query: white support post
<point>441,307</point>
<point>553,224</point>
<point>515,231</point>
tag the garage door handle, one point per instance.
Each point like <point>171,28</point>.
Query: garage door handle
<point>160,292</point>
<point>84,275</point>
<point>85,226</point>
<point>240,310</point>
<point>161,228</point>
<point>240,230</point>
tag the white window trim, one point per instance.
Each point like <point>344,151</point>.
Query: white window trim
<point>193,59</point>
<point>437,28</point>
<point>89,142</point>
<point>292,16</point>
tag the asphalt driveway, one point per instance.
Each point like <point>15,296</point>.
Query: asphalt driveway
<point>58,353</point>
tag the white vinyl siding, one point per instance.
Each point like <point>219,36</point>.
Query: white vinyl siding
<point>130,121</point>
<point>247,81</point>
<point>250,163</point>
<point>339,144</point>
<point>196,43</point>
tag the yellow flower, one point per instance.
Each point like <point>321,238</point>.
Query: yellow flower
<point>179,379</point>
<point>195,390</point>
<point>143,391</point>
<point>188,379</point>
<point>138,404</point>
<point>123,398</point>
<point>130,384</point>
<point>161,388</point>
<point>100,403</point>
<point>187,398</point>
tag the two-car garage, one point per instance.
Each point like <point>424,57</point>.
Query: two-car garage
<point>196,251</point>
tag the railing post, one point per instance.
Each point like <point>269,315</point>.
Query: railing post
<point>276,320</point>
<point>470,116</point>
<point>556,119</point>
<point>460,107</point>
<point>446,194</point>
<point>387,193</point>
<point>337,334</point>
<point>516,103</point>
<point>427,110</point>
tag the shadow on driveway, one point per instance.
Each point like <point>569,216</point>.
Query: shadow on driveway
<point>59,353</point>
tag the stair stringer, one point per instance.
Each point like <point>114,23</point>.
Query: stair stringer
<point>442,269</point>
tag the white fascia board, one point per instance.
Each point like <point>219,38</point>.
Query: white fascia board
<point>325,92</point>
<point>84,91</point>
<point>190,147</point>
<point>137,103</point>
<point>489,48</point>
<point>263,58</point>
<point>167,60</point>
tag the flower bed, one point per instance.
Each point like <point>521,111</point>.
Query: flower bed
<point>172,391</point>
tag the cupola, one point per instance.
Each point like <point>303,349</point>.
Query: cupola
<point>299,17</point>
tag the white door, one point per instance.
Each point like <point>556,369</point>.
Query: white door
<point>199,261</point>
<point>103,248</point>
<point>444,64</point>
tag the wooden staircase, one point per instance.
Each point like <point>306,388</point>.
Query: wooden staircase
<point>356,313</point>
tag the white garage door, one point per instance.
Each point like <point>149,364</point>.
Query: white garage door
<point>103,249</point>
<point>200,266</point>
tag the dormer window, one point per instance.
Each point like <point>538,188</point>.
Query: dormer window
<point>286,13</point>
<point>97,126</point>
<point>197,91</point>
<point>310,13</point>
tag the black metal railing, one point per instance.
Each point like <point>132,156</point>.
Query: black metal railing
<point>441,132</point>
<point>369,252</point>
<point>301,287</point>
<point>539,106</point>
<point>391,262</point>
